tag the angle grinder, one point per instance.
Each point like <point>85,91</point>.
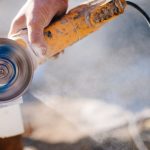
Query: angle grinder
<point>19,59</point>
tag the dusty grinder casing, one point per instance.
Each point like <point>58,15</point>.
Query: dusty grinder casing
<point>22,58</point>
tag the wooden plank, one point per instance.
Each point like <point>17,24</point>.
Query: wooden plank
<point>12,143</point>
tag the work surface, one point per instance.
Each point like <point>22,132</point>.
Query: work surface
<point>71,128</point>
<point>96,95</point>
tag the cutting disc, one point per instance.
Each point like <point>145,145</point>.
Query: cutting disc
<point>16,70</point>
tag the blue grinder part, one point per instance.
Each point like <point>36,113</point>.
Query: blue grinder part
<point>16,70</point>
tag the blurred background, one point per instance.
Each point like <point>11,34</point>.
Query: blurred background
<point>95,96</point>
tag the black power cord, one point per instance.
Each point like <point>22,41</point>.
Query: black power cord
<point>134,129</point>
<point>146,16</point>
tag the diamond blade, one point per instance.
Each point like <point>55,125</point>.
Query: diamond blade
<point>16,70</point>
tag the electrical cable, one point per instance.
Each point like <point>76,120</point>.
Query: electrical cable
<point>134,131</point>
<point>146,16</point>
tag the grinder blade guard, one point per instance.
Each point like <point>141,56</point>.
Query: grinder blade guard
<point>16,70</point>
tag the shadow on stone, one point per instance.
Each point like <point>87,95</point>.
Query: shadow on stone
<point>83,144</point>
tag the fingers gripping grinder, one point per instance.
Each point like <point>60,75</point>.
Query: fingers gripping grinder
<point>18,59</point>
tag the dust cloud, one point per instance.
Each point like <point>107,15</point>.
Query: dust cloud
<point>105,76</point>
<point>110,65</point>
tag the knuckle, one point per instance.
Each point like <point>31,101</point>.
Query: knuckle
<point>19,20</point>
<point>16,22</point>
<point>32,23</point>
<point>36,38</point>
<point>34,41</point>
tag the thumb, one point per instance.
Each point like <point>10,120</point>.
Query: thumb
<point>17,25</point>
<point>19,22</point>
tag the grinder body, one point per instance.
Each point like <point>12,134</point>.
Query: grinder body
<point>77,24</point>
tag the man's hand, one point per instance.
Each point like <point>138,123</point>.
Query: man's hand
<point>35,15</point>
